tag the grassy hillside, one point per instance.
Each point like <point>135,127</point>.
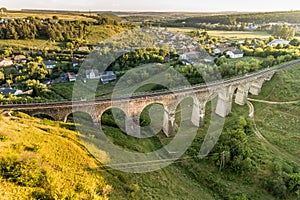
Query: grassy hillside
<point>44,160</point>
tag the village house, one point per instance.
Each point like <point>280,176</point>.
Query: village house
<point>108,76</point>
<point>276,42</point>
<point>208,59</point>
<point>5,62</point>
<point>105,78</point>
<point>50,64</point>
<point>20,59</point>
<point>216,51</point>
<point>235,54</point>
<point>76,62</point>
<point>8,91</point>
<point>84,48</point>
<point>92,74</point>
<point>71,76</point>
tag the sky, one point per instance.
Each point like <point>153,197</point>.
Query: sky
<point>154,5</point>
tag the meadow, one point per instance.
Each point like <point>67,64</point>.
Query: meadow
<point>46,14</point>
<point>31,45</point>
<point>239,34</point>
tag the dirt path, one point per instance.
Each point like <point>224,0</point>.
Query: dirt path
<point>283,153</point>
<point>273,102</point>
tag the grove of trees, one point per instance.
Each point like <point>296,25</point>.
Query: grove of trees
<point>33,28</point>
<point>283,32</point>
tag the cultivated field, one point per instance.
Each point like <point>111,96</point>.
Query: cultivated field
<point>239,34</point>
<point>40,14</point>
<point>226,34</point>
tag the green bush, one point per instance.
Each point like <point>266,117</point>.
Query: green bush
<point>276,186</point>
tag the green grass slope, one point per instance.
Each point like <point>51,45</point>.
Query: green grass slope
<point>44,160</point>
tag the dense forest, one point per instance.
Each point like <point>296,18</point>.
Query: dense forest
<point>54,29</point>
<point>256,18</point>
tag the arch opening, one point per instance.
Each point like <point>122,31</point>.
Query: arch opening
<point>113,125</point>
<point>184,112</point>
<point>81,118</point>
<point>44,116</point>
<point>152,113</point>
<point>151,119</point>
<point>113,117</point>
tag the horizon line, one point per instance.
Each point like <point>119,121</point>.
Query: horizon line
<point>151,11</point>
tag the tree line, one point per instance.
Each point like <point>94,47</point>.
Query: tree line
<point>256,18</point>
<point>35,28</point>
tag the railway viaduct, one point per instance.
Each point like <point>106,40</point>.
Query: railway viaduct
<point>225,92</point>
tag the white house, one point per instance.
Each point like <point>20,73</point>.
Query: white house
<point>217,51</point>
<point>208,59</point>
<point>92,74</point>
<point>5,62</point>
<point>84,48</point>
<point>275,42</point>
<point>183,57</point>
<point>235,54</point>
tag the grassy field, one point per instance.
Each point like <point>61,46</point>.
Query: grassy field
<point>100,33</point>
<point>280,123</point>
<point>45,14</point>
<point>225,34</point>
<point>181,30</point>
<point>31,45</point>
<point>285,86</point>
<point>65,89</point>
<point>239,34</point>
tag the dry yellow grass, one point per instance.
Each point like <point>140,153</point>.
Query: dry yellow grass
<point>45,147</point>
<point>60,15</point>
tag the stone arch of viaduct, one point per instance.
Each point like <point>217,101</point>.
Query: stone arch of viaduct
<point>133,107</point>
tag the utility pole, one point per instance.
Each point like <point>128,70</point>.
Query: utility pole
<point>222,164</point>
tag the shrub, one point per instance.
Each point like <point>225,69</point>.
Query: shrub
<point>276,186</point>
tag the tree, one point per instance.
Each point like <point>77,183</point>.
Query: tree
<point>11,33</point>
<point>2,77</point>
<point>36,86</point>
<point>9,82</point>
<point>3,10</point>
<point>35,71</point>
<point>283,32</point>
<point>39,59</point>
<point>55,17</point>
<point>70,46</point>
<point>234,149</point>
<point>295,42</point>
